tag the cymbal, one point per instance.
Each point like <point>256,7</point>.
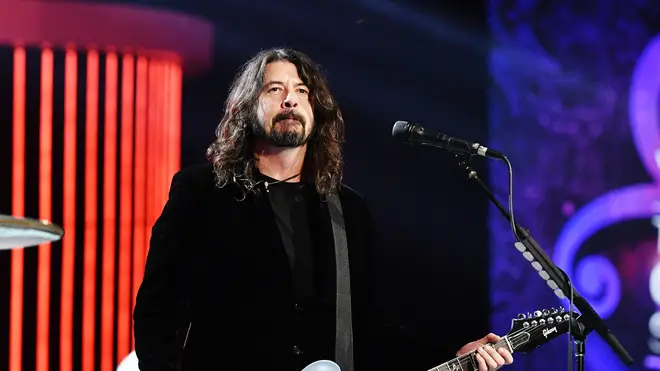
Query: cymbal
<point>18,232</point>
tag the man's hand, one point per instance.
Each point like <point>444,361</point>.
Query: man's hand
<point>487,357</point>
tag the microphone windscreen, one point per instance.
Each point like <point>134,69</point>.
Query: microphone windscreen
<point>401,130</point>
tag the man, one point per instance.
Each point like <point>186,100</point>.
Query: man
<point>241,266</point>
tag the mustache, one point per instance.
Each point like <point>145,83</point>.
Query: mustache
<point>290,115</point>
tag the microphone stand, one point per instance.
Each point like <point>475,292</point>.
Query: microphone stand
<point>557,280</point>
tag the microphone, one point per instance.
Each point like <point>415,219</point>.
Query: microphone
<point>415,134</point>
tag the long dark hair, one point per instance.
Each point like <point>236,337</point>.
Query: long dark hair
<point>232,151</point>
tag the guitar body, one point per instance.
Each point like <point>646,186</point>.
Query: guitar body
<point>322,366</point>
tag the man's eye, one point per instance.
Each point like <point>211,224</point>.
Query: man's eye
<point>303,91</point>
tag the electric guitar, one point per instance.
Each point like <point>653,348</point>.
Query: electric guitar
<point>527,333</point>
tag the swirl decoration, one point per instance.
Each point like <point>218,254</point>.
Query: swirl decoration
<point>596,277</point>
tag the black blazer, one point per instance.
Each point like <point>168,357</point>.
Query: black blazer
<point>220,263</point>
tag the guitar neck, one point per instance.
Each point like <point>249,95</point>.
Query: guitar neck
<point>468,361</point>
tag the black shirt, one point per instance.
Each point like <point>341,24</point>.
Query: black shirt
<point>297,210</point>
<point>290,206</point>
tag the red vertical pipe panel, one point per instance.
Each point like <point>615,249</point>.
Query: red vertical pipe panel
<point>109,213</point>
<point>161,148</point>
<point>124,323</point>
<point>151,145</point>
<point>91,171</point>
<point>18,209</point>
<point>140,189</point>
<point>177,94</point>
<point>69,208</point>
<point>45,207</point>
<point>167,130</point>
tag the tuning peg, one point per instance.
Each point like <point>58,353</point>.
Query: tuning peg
<point>521,316</point>
<point>553,310</point>
<point>529,315</point>
<point>537,313</point>
<point>561,309</point>
<point>546,312</point>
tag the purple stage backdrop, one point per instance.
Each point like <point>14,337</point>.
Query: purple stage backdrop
<point>574,104</point>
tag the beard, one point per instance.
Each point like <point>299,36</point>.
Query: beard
<point>282,134</point>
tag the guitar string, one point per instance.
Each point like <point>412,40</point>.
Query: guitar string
<point>512,339</point>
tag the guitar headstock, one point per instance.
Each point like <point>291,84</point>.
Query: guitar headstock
<point>531,330</point>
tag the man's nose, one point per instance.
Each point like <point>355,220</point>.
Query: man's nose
<point>290,101</point>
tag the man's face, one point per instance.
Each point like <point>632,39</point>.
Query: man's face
<point>284,111</point>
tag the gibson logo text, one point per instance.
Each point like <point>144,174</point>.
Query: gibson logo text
<point>548,331</point>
